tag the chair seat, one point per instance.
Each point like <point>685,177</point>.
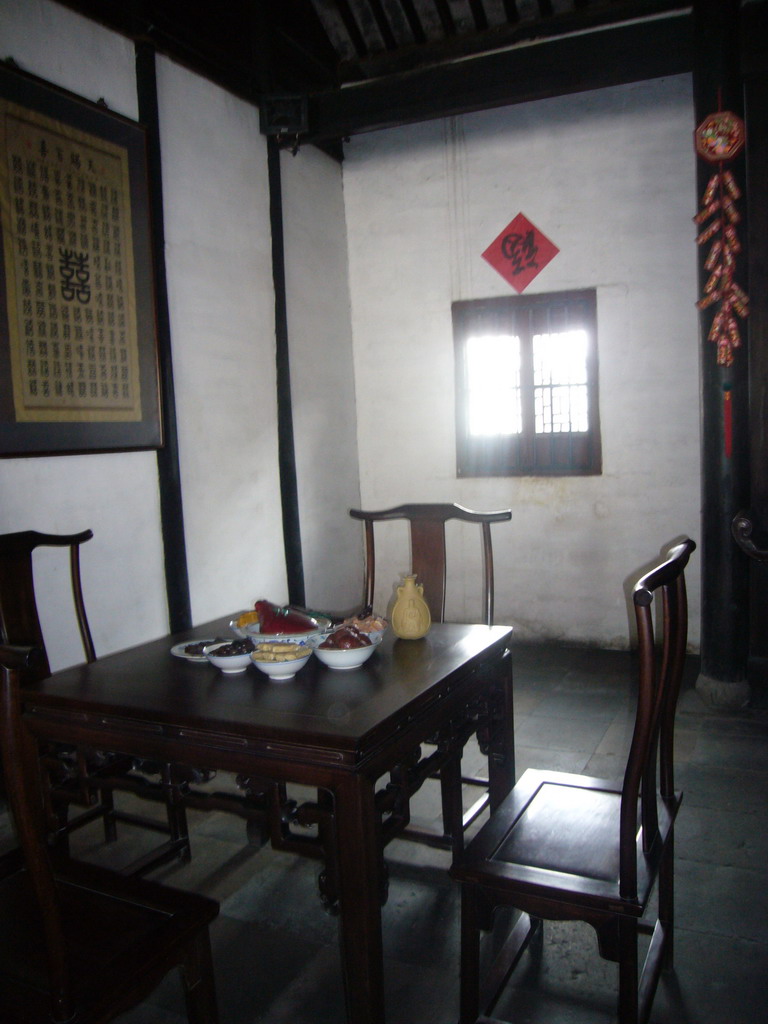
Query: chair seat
<point>575,848</point>
<point>120,934</point>
<point>521,847</point>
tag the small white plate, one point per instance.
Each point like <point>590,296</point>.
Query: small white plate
<point>180,650</point>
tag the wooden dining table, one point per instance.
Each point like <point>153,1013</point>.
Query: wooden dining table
<point>340,732</point>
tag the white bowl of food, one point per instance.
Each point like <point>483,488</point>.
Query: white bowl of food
<point>269,622</point>
<point>346,648</point>
<point>281,659</point>
<point>374,626</point>
<point>255,634</point>
<point>230,656</point>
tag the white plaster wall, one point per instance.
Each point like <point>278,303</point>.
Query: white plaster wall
<point>221,302</point>
<point>609,176</point>
<point>322,378</point>
<point>115,495</point>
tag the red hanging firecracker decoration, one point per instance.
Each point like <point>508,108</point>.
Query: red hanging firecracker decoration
<point>721,137</point>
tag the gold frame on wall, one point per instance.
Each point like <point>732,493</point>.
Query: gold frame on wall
<point>78,348</point>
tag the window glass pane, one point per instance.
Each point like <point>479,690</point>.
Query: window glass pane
<point>560,382</point>
<point>527,398</point>
<point>493,385</point>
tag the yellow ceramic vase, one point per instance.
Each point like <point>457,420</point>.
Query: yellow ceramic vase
<point>410,614</point>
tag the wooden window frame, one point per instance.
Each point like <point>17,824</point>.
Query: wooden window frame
<point>528,453</point>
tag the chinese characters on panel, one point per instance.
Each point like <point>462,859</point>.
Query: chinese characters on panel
<point>68,256</point>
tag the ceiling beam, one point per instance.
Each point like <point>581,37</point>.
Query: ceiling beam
<point>579,16</point>
<point>591,60</point>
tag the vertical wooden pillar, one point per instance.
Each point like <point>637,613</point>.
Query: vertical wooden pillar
<point>169,472</point>
<point>725,396</point>
<point>261,35</point>
<point>294,562</point>
<point>754,55</point>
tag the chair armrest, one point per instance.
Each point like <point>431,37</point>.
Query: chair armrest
<point>16,658</point>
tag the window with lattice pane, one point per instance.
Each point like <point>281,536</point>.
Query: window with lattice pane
<point>527,385</point>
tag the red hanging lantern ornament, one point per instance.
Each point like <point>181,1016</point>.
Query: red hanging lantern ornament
<point>721,137</point>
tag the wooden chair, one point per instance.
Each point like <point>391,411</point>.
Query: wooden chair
<point>79,943</point>
<point>571,847</point>
<point>428,562</point>
<point>79,777</point>
<point>428,557</point>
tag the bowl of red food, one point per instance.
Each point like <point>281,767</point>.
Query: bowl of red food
<point>276,623</point>
<point>346,648</point>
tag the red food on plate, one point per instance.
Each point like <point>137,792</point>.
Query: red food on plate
<point>345,639</point>
<point>276,621</point>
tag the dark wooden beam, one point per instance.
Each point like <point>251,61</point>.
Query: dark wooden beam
<point>611,56</point>
<point>382,24</point>
<point>754,47</point>
<point>478,15</point>
<point>511,12</point>
<point>414,22</point>
<point>261,40</point>
<point>446,18</point>
<point>455,45</point>
<point>215,43</point>
<point>352,28</point>
<point>294,562</point>
<point>724,396</point>
<point>168,465</point>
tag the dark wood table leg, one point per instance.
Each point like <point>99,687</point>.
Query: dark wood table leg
<point>501,747</point>
<point>359,878</point>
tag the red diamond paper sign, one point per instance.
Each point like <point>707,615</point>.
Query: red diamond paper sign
<point>520,252</point>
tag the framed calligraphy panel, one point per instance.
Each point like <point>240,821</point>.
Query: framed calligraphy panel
<point>78,349</point>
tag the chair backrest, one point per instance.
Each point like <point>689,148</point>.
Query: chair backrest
<point>21,768</point>
<point>19,618</point>
<point>428,561</point>
<point>661,658</point>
